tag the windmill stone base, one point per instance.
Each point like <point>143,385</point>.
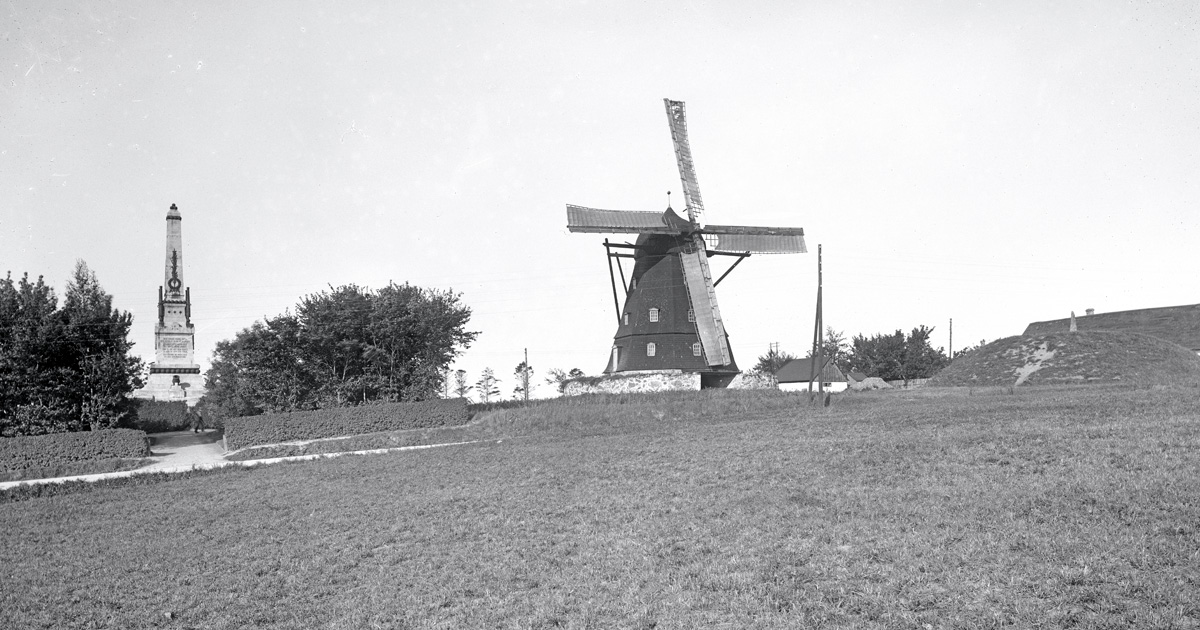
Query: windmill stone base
<point>634,382</point>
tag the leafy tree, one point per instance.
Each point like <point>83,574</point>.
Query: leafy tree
<point>461,388</point>
<point>524,375</point>
<point>835,347</point>
<point>922,360</point>
<point>487,386</point>
<point>263,369</point>
<point>769,363</point>
<point>67,369</point>
<point>559,378</point>
<point>896,356</point>
<point>335,340</point>
<point>346,346</point>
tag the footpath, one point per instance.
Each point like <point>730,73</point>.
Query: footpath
<point>181,451</point>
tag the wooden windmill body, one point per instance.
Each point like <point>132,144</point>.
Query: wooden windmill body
<point>670,319</point>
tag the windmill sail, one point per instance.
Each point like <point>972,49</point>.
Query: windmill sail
<point>711,329</point>
<point>676,117</point>
<point>755,240</point>
<point>581,219</point>
<point>696,273</point>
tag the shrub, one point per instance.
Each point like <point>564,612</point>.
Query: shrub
<point>60,449</point>
<point>273,428</point>
<point>157,416</point>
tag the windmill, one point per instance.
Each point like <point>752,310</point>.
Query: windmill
<point>670,319</point>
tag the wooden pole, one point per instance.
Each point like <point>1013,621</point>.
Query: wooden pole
<point>613,280</point>
<point>820,324</point>
<point>812,363</point>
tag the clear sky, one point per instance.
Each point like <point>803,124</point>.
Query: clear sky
<point>992,162</point>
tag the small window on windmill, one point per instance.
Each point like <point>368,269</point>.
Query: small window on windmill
<point>616,356</point>
<point>696,349</point>
<point>692,315</point>
<point>650,349</point>
<point>625,319</point>
<point>653,314</point>
<point>632,283</point>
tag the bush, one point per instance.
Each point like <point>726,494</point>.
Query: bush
<point>60,449</point>
<point>157,416</point>
<point>273,428</point>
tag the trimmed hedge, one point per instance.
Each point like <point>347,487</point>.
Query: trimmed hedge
<point>273,428</point>
<point>157,416</point>
<point>60,449</point>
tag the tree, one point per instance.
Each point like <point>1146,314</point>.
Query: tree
<point>487,386</point>
<point>461,388</point>
<point>523,374</point>
<point>921,360</point>
<point>897,357</point>
<point>769,363</point>
<point>263,369</point>
<point>67,369</point>
<point>345,346</point>
<point>835,348</point>
<point>559,378</point>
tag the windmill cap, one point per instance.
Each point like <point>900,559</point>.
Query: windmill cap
<point>674,221</point>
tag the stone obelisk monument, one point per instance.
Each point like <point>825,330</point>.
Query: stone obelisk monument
<point>174,374</point>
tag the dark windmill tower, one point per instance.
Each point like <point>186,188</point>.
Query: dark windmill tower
<point>670,320</point>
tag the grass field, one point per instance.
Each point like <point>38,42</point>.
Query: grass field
<point>1048,507</point>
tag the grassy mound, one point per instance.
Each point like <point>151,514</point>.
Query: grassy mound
<point>1079,357</point>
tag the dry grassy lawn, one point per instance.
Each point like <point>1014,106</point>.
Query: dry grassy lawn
<point>930,509</point>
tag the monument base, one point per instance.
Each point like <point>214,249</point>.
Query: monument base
<point>184,383</point>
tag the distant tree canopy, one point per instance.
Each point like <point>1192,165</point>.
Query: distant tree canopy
<point>769,363</point>
<point>558,378</point>
<point>835,348</point>
<point>64,369</point>
<point>897,357</point>
<point>346,346</point>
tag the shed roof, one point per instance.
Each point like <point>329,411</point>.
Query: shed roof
<point>801,370</point>
<point>1177,324</point>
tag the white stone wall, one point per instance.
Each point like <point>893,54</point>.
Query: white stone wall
<point>633,382</point>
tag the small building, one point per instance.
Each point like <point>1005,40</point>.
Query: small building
<point>795,375</point>
<point>1177,324</point>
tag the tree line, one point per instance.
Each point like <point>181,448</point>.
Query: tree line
<point>891,357</point>
<point>349,345</point>
<point>64,368</point>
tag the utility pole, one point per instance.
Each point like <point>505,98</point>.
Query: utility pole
<point>812,363</point>
<point>952,338</point>
<point>525,377</point>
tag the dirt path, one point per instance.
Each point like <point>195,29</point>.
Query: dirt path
<point>183,450</point>
<point>180,451</point>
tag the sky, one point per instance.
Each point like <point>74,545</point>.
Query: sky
<point>994,163</point>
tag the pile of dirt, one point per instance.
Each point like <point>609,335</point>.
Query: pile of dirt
<point>1078,357</point>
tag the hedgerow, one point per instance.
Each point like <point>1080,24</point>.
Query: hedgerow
<point>157,416</point>
<point>59,449</point>
<point>273,428</point>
